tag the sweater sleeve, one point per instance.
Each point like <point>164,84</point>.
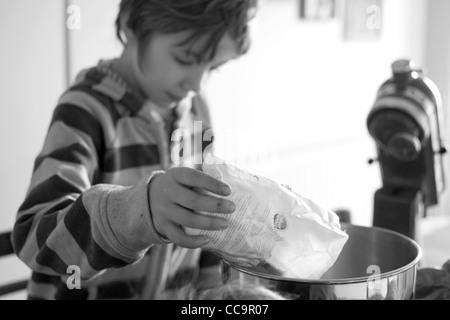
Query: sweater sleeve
<point>68,220</point>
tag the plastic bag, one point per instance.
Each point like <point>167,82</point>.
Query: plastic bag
<point>273,225</point>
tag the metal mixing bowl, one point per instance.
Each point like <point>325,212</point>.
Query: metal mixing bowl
<point>375,264</point>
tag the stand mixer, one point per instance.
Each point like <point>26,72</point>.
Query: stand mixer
<point>406,124</point>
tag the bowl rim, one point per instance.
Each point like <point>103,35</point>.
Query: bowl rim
<point>412,264</point>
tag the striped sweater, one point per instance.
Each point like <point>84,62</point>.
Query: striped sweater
<point>87,206</point>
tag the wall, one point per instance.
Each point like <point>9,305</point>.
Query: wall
<point>303,95</point>
<point>32,76</point>
<point>96,38</point>
<point>435,230</point>
<point>438,69</point>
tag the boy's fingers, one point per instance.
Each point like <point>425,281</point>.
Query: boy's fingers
<point>200,202</point>
<point>177,236</point>
<point>195,178</point>
<point>187,218</point>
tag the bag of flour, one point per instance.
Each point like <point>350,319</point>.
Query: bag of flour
<point>273,225</point>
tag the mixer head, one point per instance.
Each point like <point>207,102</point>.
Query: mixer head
<point>406,124</point>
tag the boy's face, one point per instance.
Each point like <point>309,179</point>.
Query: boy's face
<point>169,72</point>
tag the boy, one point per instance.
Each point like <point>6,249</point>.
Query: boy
<point>104,202</point>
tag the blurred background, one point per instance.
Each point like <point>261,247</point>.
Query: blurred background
<point>293,109</point>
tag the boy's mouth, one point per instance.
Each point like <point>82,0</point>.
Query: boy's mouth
<point>174,97</point>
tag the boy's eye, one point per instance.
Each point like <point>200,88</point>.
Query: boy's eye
<point>184,62</point>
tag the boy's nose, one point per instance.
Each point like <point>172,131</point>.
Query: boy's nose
<point>194,82</point>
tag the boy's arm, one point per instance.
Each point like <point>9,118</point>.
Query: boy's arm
<point>64,220</point>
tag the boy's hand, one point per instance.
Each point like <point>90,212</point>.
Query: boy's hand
<point>176,198</point>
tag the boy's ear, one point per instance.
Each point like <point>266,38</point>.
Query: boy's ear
<point>130,37</point>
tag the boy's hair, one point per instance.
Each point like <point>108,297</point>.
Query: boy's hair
<point>211,18</point>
